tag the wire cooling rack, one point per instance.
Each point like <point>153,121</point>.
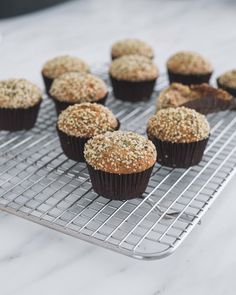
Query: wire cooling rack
<point>38,183</point>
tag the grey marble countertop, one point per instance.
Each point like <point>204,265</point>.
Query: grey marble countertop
<point>35,260</point>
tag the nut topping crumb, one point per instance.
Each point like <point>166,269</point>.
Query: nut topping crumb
<point>188,62</point>
<point>64,64</point>
<point>133,68</point>
<point>18,93</point>
<point>130,47</point>
<point>86,120</point>
<point>77,88</point>
<point>121,152</point>
<point>178,125</point>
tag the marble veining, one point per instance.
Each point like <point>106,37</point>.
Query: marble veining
<point>36,260</point>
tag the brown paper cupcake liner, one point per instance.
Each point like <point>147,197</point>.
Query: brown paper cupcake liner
<point>189,79</point>
<point>73,146</point>
<point>179,155</point>
<point>114,57</point>
<point>47,83</point>
<point>18,119</point>
<point>131,90</point>
<point>209,105</point>
<point>231,90</point>
<point>119,186</point>
<point>61,105</point>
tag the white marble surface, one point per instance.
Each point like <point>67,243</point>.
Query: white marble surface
<point>35,260</point>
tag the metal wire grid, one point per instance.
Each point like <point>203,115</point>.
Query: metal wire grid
<point>39,183</point>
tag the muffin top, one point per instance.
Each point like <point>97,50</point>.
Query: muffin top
<point>77,88</point>
<point>64,64</point>
<point>121,152</point>
<point>188,62</point>
<point>18,93</point>
<point>228,79</point>
<point>86,120</point>
<point>180,125</point>
<point>133,68</point>
<point>131,46</point>
<point>178,94</point>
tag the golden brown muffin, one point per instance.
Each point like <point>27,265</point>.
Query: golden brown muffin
<point>188,62</point>
<point>130,47</point>
<point>19,93</point>
<point>19,104</point>
<point>86,120</point>
<point>64,64</point>
<point>78,88</point>
<point>133,68</point>
<point>178,125</point>
<point>178,94</point>
<point>228,79</point>
<point>120,152</point>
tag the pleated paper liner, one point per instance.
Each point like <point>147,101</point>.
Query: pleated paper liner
<point>73,146</point>
<point>18,119</point>
<point>231,90</point>
<point>179,155</point>
<point>61,105</point>
<point>114,57</point>
<point>47,83</point>
<point>210,104</point>
<point>119,186</point>
<point>189,79</point>
<point>132,91</point>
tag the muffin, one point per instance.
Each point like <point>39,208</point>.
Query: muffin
<point>57,66</point>
<point>120,164</point>
<point>72,88</point>
<point>130,47</point>
<point>19,104</point>
<point>188,68</point>
<point>80,122</point>
<point>133,77</point>
<point>203,98</point>
<point>180,136</point>
<point>227,81</point>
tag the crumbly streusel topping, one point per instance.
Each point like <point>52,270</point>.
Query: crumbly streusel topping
<point>121,152</point>
<point>188,62</point>
<point>86,120</point>
<point>77,87</point>
<point>178,125</point>
<point>18,93</point>
<point>133,68</point>
<point>131,46</point>
<point>64,64</point>
<point>178,94</point>
<point>228,79</point>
